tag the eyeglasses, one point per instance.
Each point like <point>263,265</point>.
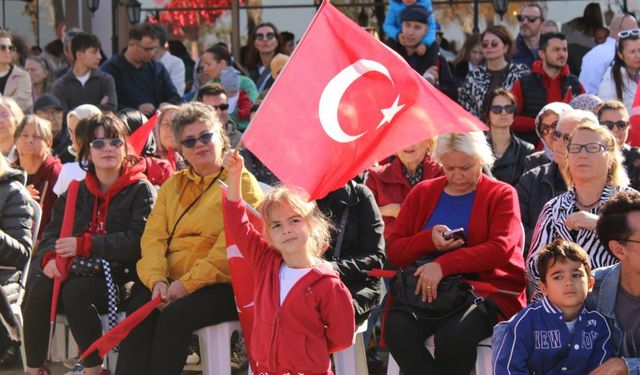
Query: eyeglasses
<point>619,124</point>
<point>268,36</point>
<point>627,240</point>
<point>204,138</point>
<point>497,109</point>
<point>5,115</point>
<point>591,148</point>
<point>7,47</point>
<point>100,143</point>
<point>493,44</point>
<point>147,49</point>
<point>530,19</point>
<point>627,33</point>
<point>558,135</point>
<point>221,107</point>
<point>548,128</point>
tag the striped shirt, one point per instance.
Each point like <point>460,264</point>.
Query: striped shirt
<point>551,226</point>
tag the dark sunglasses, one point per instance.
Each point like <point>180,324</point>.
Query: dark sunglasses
<point>497,109</point>
<point>100,143</point>
<point>548,128</point>
<point>558,135</point>
<point>7,47</point>
<point>269,36</point>
<point>221,107</point>
<point>204,138</point>
<point>591,148</point>
<point>493,44</point>
<point>530,19</point>
<point>612,124</point>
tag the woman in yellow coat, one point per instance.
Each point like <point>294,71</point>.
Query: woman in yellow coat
<point>184,251</point>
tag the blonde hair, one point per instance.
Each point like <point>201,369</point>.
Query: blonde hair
<point>297,199</point>
<point>4,165</point>
<point>13,107</point>
<point>616,176</point>
<point>473,144</point>
<point>42,128</point>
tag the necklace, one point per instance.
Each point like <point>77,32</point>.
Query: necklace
<point>587,205</point>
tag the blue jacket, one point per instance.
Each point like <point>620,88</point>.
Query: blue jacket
<point>603,300</point>
<point>537,340</point>
<point>393,26</point>
<point>523,54</point>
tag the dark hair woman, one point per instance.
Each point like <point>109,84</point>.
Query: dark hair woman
<point>496,71</point>
<point>509,150</point>
<point>263,44</point>
<point>111,211</point>
<point>620,81</point>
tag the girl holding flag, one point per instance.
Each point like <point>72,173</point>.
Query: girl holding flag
<point>110,214</point>
<point>303,312</point>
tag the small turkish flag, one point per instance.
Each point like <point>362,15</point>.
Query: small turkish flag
<point>634,130</point>
<point>343,101</point>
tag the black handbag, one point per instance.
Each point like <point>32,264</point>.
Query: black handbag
<point>454,294</point>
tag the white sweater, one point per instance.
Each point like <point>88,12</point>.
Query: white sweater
<point>607,89</point>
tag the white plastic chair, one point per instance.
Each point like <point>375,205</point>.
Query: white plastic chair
<point>215,347</point>
<point>483,358</point>
<point>353,360</point>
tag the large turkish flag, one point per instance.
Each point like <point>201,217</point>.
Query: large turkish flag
<point>343,101</point>
<point>634,130</point>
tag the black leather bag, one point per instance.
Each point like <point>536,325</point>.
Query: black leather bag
<point>454,294</point>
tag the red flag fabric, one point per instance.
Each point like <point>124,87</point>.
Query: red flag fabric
<point>242,278</point>
<point>634,130</point>
<point>344,101</point>
<point>63,264</point>
<point>112,338</point>
<point>139,138</point>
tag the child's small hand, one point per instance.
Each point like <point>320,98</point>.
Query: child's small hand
<point>233,162</point>
<point>421,49</point>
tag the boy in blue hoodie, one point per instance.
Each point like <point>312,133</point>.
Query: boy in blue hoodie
<point>556,334</point>
<point>393,26</point>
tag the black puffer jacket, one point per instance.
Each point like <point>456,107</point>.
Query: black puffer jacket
<point>510,166</point>
<point>16,219</point>
<point>535,188</point>
<point>362,245</point>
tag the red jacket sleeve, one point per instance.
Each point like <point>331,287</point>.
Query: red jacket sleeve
<point>521,123</point>
<point>249,241</point>
<point>337,314</point>
<point>404,245</point>
<point>505,233</point>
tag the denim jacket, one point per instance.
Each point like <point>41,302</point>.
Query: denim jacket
<point>603,299</point>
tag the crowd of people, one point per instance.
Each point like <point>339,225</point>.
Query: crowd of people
<point>540,215</point>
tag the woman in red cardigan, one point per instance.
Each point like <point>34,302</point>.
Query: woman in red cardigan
<point>488,211</point>
<point>390,183</point>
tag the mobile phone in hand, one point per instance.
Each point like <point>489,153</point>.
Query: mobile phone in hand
<point>456,234</point>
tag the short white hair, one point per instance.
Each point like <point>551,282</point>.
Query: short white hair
<point>473,144</point>
<point>578,115</point>
<point>83,111</point>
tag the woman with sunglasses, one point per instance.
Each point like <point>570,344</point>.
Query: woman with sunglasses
<point>111,211</point>
<point>14,82</point>
<point>264,44</point>
<point>184,251</point>
<point>509,150</point>
<point>594,174</point>
<point>614,116</point>
<point>620,81</point>
<point>546,122</point>
<point>496,71</point>
<point>33,143</point>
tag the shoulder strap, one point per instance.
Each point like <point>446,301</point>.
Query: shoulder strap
<point>70,209</point>
<point>343,225</point>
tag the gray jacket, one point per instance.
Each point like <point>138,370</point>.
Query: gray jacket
<point>72,93</point>
<point>603,299</point>
<point>15,221</point>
